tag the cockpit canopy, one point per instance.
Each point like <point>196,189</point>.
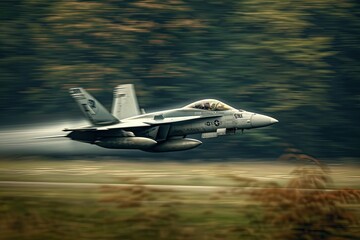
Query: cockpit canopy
<point>210,105</point>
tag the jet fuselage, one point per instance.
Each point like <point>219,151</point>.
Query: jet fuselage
<point>159,131</point>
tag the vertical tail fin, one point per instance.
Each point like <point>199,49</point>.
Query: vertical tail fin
<point>125,103</point>
<point>92,109</point>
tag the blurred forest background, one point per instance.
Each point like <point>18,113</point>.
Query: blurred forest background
<point>296,61</point>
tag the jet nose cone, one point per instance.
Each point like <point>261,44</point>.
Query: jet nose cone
<point>258,120</point>
<point>273,120</point>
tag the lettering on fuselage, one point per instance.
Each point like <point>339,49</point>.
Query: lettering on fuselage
<point>216,123</point>
<point>238,115</point>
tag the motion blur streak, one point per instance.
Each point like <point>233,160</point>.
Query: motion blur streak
<point>294,60</point>
<point>27,139</point>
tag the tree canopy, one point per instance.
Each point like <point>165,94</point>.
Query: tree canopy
<point>294,60</point>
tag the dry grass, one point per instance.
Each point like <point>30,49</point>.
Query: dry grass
<point>306,205</point>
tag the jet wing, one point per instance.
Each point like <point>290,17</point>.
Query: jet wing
<point>120,125</point>
<point>157,120</point>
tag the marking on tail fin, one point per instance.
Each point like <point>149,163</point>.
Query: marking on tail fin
<point>92,103</point>
<point>92,109</point>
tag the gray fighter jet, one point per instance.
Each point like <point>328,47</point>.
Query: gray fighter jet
<point>129,128</point>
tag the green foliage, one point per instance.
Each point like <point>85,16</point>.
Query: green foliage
<point>296,61</point>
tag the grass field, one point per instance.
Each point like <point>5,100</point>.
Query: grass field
<point>108,199</point>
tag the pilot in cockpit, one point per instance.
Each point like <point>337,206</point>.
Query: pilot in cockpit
<point>199,106</point>
<point>207,106</point>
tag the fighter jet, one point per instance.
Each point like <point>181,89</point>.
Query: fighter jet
<point>126,127</point>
